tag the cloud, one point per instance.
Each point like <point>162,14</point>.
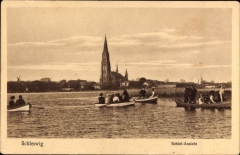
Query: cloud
<point>168,64</point>
<point>165,39</point>
<point>81,41</point>
<point>59,66</point>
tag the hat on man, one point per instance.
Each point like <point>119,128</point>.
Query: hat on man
<point>12,97</point>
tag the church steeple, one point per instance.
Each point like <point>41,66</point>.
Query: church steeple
<point>126,75</point>
<point>117,68</point>
<point>105,48</point>
<point>105,65</point>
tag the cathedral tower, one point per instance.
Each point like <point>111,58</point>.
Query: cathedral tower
<point>105,65</point>
<point>126,75</point>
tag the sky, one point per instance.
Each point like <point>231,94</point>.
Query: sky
<point>155,43</point>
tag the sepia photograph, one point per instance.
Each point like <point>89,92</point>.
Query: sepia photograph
<point>120,77</point>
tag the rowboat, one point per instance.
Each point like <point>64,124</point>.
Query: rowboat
<point>225,104</point>
<point>25,107</point>
<point>100,105</point>
<point>120,104</point>
<point>148,100</point>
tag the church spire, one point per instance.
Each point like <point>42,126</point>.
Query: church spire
<point>126,75</point>
<point>117,68</point>
<point>105,47</point>
<point>105,65</point>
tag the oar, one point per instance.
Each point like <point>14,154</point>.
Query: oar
<point>33,106</point>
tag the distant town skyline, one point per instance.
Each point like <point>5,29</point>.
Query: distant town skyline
<point>155,43</point>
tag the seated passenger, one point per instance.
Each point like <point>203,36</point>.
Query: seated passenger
<point>111,98</point>
<point>200,100</point>
<point>211,98</point>
<point>142,93</point>
<point>101,99</point>
<point>153,93</point>
<point>116,99</point>
<point>20,101</point>
<point>11,102</point>
<point>107,99</point>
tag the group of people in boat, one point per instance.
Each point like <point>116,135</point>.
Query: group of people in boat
<point>212,97</point>
<point>114,98</point>
<point>19,102</point>
<point>142,93</point>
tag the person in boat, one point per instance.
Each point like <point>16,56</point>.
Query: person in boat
<point>187,94</point>
<point>211,97</point>
<point>125,96</point>
<point>153,93</point>
<point>193,93</point>
<point>111,98</point>
<point>20,101</point>
<point>116,98</point>
<point>200,99</point>
<point>220,94</point>
<point>142,93</point>
<point>107,99</point>
<point>120,97</point>
<point>101,99</point>
<point>11,102</point>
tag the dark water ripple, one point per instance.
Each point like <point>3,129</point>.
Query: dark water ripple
<point>67,119</point>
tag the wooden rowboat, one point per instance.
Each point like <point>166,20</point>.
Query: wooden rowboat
<point>148,100</point>
<point>225,104</point>
<point>121,104</point>
<point>100,105</point>
<point>25,107</point>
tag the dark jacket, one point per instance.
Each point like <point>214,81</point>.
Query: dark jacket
<point>20,102</point>
<point>101,100</point>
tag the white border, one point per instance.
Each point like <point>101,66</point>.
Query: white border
<point>124,146</point>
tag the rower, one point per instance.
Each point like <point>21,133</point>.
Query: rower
<point>125,96</point>
<point>20,101</point>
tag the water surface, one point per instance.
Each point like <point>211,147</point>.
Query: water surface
<point>74,116</point>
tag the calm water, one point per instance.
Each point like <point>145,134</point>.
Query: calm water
<point>76,117</point>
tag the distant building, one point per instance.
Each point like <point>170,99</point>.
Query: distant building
<point>124,84</point>
<point>210,86</point>
<point>97,86</point>
<point>45,79</point>
<point>67,89</point>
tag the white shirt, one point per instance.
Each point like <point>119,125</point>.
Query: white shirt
<point>152,94</point>
<point>221,92</point>
<point>115,99</point>
<point>107,100</point>
<point>211,98</point>
<point>200,101</point>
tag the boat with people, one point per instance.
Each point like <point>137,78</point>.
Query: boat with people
<point>225,104</point>
<point>147,100</point>
<point>119,104</point>
<point>25,107</point>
